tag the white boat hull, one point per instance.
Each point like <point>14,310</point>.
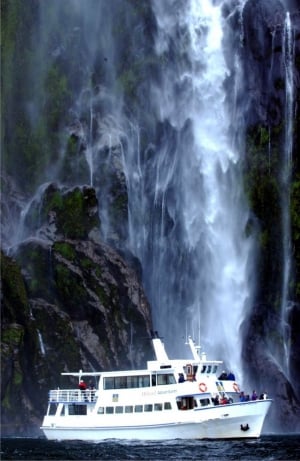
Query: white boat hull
<point>221,422</point>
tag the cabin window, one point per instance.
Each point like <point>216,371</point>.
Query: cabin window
<point>129,409</point>
<point>132,382</point>
<point>158,407</point>
<point>77,410</point>
<point>109,383</point>
<point>215,369</point>
<point>52,409</point>
<point>120,382</point>
<point>204,402</point>
<point>62,413</point>
<point>148,407</point>
<point>144,381</point>
<point>185,403</point>
<point>100,410</point>
<point>138,408</point>
<point>203,369</point>
<point>109,410</point>
<point>119,409</point>
<point>126,382</point>
<point>166,379</point>
<point>167,406</point>
<point>153,380</point>
<point>208,369</point>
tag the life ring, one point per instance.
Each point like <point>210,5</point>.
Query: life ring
<point>202,387</point>
<point>236,387</point>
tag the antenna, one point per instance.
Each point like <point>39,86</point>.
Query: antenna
<point>199,327</point>
<point>186,332</point>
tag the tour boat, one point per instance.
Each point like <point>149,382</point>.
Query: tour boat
<point>154,404</point>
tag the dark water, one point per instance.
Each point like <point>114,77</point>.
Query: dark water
<point>271,447</point>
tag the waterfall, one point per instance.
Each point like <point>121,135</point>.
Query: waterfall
<point>41,342</point>
<point>288,62</point>
<point>193,247</point>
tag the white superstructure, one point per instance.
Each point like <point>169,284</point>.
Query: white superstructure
<point>151,404</point>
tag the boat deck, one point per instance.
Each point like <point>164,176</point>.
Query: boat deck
<point>72,396</point>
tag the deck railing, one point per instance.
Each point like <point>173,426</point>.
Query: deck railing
<point>72,396</point>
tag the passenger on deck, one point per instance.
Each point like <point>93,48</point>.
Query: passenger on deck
<point>254,396</point>
<point>231,376</point>
<point>82,385</point>
<point>224,400</point>
<point>223,376</point>
<point>181,378</point>
<point>242,397</point>
<point>216,400</point>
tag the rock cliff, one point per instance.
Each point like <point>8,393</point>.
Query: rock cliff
<point>69,302</point>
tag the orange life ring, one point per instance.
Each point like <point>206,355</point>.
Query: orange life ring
<point>202,387</point>
<point>236,387</point>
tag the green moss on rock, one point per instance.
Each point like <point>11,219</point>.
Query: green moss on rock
<point>15,299</point>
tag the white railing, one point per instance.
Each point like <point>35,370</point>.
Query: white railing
<point>72,395</point>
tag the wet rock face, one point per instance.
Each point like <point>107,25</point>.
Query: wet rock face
<point>261,19</point>
<point>263,369</point>
<point>263,22</point>
<point>69,303</point>
<point>60,212</point>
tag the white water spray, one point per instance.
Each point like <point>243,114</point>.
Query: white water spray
<point>288,57</point>
<point>204,255</point>
<point>41,342</point>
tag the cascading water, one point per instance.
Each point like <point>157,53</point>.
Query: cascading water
<point>194,250</point>
<point>288,63</point>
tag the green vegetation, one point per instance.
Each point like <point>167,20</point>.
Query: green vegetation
<point>65,249</point>
<point>13,286</point>
<point>262,185</point>
<point>295,224</point>
<point>35,96</point>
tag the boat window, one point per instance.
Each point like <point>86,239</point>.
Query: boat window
<point>158,407</point>
<point>77,410</point>
<point>204,402</point>
<point>166,379</point>
<point>100,410</point>
<point>138,408</point>
<point>119,409</point>
<point>208,369</point>
<point>148,407</point>
<point>144,381</point>
<point>132,382</point>
<point>203,369</point>
<point>109,410</point>
<point>129,409</point>
<point>185,403</point>
<point>215,369</point>
<point>126,382</point>
<point>153,380</point>
<point>52,409</point>
<point>62,413</point>
<point>108,383</point>
<point>120,382</point>
<point>167,406</point>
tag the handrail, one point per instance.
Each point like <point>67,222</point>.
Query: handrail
<point>72,396</point>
